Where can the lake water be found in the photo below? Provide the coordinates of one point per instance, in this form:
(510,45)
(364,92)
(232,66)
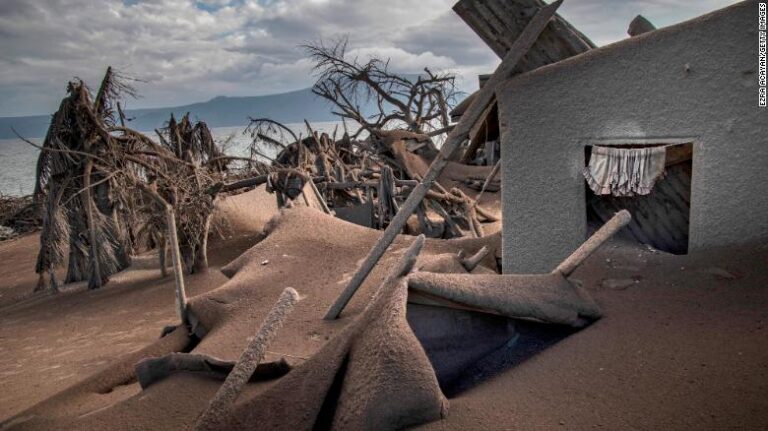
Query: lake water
(18,158)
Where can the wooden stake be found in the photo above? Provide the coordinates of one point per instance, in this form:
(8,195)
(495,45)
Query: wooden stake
(403,267)
(319,197)
(212,418)
(455,138)
(609,229)
(178,269)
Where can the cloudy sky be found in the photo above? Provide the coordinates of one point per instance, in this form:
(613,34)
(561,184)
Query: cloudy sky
(192,50)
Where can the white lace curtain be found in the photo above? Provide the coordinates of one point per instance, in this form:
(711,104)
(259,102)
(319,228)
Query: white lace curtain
(621,171)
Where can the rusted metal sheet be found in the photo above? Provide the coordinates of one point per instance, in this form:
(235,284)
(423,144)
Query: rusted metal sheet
(500,22)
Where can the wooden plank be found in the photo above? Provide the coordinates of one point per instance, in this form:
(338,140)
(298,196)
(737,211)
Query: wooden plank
(501,28)
(473,20)
(513,18)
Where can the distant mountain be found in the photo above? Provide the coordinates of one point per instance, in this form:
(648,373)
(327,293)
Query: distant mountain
(291,107)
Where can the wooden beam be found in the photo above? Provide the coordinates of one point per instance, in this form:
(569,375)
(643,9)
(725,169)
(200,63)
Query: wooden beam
(618,221)
(402,268)
(248,182)
(500,22)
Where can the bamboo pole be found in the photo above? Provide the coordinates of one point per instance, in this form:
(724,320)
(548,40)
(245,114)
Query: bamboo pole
(594,242)
(221,403)
(455,138)
(368,184)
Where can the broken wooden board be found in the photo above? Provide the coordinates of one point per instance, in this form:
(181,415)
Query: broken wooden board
(500,22)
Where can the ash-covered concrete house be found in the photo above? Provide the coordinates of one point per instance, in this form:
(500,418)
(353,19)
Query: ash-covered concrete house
(687,92)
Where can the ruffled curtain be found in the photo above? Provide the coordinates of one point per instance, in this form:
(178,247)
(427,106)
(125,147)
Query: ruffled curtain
(624,171)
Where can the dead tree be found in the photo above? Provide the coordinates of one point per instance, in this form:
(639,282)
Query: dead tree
(421,104)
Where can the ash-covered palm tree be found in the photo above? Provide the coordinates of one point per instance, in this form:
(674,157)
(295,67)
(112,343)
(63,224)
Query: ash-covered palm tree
(193,185)
(104,188)
(75,186)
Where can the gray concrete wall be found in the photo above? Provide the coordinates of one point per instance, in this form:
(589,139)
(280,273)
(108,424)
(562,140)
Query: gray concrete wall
(695,82)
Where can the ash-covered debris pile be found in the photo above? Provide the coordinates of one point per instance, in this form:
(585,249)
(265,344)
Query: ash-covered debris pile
(18,215)
(364,170)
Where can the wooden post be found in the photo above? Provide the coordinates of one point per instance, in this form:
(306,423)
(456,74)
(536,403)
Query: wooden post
(225,397)
(455,138)
(178,269)
(609,229)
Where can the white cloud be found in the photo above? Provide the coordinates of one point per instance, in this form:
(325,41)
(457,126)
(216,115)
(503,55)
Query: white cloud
(404,61)
(606,21)
(193,50)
